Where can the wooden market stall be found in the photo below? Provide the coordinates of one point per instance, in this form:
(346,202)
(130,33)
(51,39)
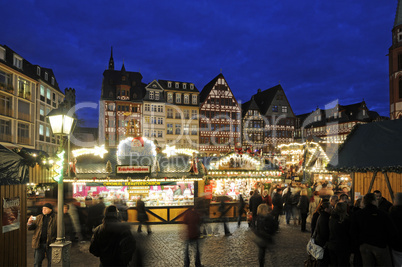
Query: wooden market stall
(372,154)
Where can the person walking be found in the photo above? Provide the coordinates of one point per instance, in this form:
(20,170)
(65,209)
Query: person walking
(303,208)
(339,236)
(322,231)
(314,202)
(112,241)
(68,224)
(373,231)
(277,202)
(45,232)
(382,203)
(396,217)
(255,201)
(265,229)
(192,220)
(241,210)
(142,216)
(222,211)
(288,200)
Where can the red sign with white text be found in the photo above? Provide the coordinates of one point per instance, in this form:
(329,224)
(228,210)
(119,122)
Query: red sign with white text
(133,169)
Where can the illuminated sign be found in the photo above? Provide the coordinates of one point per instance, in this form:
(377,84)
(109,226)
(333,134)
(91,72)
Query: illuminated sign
(97,151)
(133,169)
(58,167)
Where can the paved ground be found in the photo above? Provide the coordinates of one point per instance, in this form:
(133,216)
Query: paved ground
(166,248)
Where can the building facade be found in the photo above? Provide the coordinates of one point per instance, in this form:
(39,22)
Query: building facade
(220,118)
(27,94)
(252,126)
(181,113)
(120,111)
(395,66)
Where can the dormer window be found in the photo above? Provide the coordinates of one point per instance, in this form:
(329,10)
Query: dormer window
(184,86)
(169,84)
(156,95)
(364,112)
(38,71)
(52,80)
(46,76)
(2,53)
(151,94)
(191,86)
(17,61)
(177,85)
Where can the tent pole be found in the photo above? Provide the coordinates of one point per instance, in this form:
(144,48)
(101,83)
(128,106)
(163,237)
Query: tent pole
(372,182)
(389,186)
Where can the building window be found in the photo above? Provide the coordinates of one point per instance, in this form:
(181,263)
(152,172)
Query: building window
(2,53)
(160,134)
(169,128)
(186,99)
(284,109)
(23,130)
(160,108)
(186,113)
(186,130)
(5,80)
(178,98)
(153,108)
(178,129)
(178,114)
(23,87)
(275,109)
(194,99)
(194,114)
(151,94)
(38,70)
(147,107)
(170,98)
(41,131)
(46,76)
(17,62)
(47,131)
(156,95)
(184,86)
(5,128)
(191,86)
(177,85)
(160,121)
(170,113)
(52,80)
(146,133)
(193,129)
(169,84)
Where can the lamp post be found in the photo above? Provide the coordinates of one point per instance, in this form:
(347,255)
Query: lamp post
(61,122)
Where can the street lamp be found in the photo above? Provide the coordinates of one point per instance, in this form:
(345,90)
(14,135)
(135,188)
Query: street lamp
(61,121)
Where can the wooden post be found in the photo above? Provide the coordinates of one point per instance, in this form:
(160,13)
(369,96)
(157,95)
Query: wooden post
(352,190)
(389,186)
(372,182)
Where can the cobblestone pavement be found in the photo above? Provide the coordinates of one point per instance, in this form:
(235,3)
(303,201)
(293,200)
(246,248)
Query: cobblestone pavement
(165,247)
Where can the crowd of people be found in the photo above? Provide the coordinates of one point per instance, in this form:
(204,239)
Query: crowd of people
(367,233)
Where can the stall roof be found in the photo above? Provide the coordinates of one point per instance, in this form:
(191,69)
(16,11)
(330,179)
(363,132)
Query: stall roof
(371,147)
(13,169)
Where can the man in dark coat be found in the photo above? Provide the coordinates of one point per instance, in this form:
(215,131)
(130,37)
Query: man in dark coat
(45,226)
(192,220)
(321,231)
(396,217)
(382,203)
(113,241)
(277,201)
(255,201)
(142,216)
(373,231)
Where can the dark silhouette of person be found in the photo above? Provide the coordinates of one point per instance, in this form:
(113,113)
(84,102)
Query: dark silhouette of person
(255,201)
(382,203)
(142,216)
(222,210)
(277,202)
(192,220)
(241,210)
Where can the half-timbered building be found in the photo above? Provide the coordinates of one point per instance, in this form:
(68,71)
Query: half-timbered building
(220,118)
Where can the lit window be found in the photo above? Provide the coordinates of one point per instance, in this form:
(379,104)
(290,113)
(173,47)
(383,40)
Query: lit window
(169,128)
(194,99)
(177,85)
(178,98)
(170,113)
(170,84)
(275,109)
(191,86)
(38,70)
(170,98)
(17,62)
(151,94)
(184,86)
(41,130)
(2,53)
(160,134)
(147,107)
(284,109)
(186,99)
(194,114)
(47,132)
(48,95)
(156,95)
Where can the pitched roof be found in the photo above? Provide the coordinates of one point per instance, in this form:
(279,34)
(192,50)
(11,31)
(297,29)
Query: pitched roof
(208,87)
(164,84)
(249,105)
(375,146)
(111,78)
(264,98)
(398,16)
(13,170)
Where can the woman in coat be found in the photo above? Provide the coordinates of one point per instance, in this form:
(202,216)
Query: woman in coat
(303,208)
(321,232)
(266,228)
(339,236)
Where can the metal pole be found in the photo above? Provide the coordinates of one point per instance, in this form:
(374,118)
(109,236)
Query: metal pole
(68,156)
(60,232)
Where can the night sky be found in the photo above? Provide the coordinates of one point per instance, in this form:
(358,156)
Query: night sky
(319,51)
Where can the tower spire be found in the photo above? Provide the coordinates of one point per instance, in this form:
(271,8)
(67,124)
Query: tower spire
(398,16)
(111,61)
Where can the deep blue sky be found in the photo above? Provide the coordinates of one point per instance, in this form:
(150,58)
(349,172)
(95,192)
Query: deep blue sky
(319,50)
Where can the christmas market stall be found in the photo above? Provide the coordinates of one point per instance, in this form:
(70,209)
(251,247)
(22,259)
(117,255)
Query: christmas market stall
(372,156)
(167,181)
(235,174)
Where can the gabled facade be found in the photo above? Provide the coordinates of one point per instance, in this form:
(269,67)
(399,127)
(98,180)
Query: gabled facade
(181,112)
(220,118)
(395,66)
(153,119)
(278,117)
(252,126)
(27,94)
(120,111)
(332,125)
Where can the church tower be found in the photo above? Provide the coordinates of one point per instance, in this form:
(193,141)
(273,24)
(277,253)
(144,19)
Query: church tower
(395,66)
(111,62)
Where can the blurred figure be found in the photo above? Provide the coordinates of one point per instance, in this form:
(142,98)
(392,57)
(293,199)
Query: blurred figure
(321,232)
(277,202)
(316,214)
(373,231)
(254,202)
(339,236)
(266,198)
(192,220)
(222,210)
(314,202)
(333,200)
(303,209)
(382,203)
(142,216)
(45,226)
(241,210)
(396,217)
(68,224)
(112,241)
(265,229)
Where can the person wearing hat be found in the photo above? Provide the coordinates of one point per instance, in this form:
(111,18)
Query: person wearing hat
(112,241)
(45,226)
